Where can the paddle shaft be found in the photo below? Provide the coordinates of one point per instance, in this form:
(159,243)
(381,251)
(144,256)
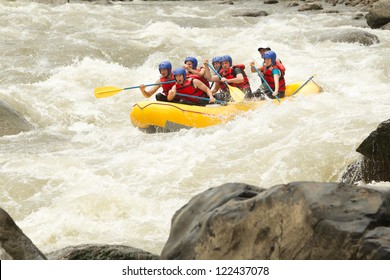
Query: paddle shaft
(148,85)
(298,89)
(198,97)
(216,72)
(236,94)
(213,82)
(110,91)
(263,79)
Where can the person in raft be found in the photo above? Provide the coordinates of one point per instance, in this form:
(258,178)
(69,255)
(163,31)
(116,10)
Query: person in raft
(263,87)
(191,64)
(190,87)
(234,75)
(165,69)
(216,62)
(274,76)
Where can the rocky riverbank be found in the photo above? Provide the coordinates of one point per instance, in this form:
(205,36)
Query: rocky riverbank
(299,220)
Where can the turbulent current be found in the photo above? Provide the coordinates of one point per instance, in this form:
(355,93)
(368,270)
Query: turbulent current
(84,174)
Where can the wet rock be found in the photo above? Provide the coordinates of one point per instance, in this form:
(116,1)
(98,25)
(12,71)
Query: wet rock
(301,220)
(358,16)
(350,36)
(11,121)
(293,4)
(379,15)
(386,27)
(310,7)
(376,245)
(226,3)
(101,252)
(375,163)
(352,2)
(14,243)
(252,14)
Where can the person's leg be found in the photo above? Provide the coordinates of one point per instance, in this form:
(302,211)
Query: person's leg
(248,93)
(222,96)
(161,97)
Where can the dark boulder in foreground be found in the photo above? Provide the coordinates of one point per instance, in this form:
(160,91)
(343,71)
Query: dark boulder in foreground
(15,245)
(101,252)
(301,220)
(374,165)
(11,121)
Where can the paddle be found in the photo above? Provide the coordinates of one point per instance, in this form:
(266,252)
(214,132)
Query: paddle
(213,82)
(203,98)
(235,92)
(263,79)
(102,92)
(298,89)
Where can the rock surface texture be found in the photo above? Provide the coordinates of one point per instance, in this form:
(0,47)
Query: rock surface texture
(374,165)
(301,220)
(15,245)
(11,122)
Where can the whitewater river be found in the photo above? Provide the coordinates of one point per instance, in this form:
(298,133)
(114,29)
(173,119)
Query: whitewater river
(84,174)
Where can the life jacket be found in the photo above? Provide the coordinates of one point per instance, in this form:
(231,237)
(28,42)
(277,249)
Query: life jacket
(167,87)
(244,86)
(201,78)
(188,88)
(270,79)
(281,67)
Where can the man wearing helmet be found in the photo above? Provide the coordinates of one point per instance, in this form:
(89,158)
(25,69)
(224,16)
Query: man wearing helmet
(190,87)
(165,69)
(191,64)
(216,62)
(234,75)
(262,50)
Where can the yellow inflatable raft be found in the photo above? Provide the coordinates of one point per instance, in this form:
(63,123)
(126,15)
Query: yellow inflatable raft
(156,116)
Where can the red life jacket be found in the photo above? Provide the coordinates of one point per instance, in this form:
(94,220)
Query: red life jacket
(229,75)
(188,88)
(201,78)
(281,67)
(270,79)
(167,87)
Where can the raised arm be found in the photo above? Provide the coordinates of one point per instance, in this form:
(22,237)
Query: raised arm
(207,73)
(200,85)
(151,91)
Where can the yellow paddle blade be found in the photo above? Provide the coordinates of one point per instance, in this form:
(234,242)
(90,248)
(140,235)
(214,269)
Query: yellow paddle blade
(102,92)
(236,94)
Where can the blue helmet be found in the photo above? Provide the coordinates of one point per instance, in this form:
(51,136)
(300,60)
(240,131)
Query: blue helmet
(216,59)
(193,60)
(180,71)
(227,58)
(165,65)
(271,55)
